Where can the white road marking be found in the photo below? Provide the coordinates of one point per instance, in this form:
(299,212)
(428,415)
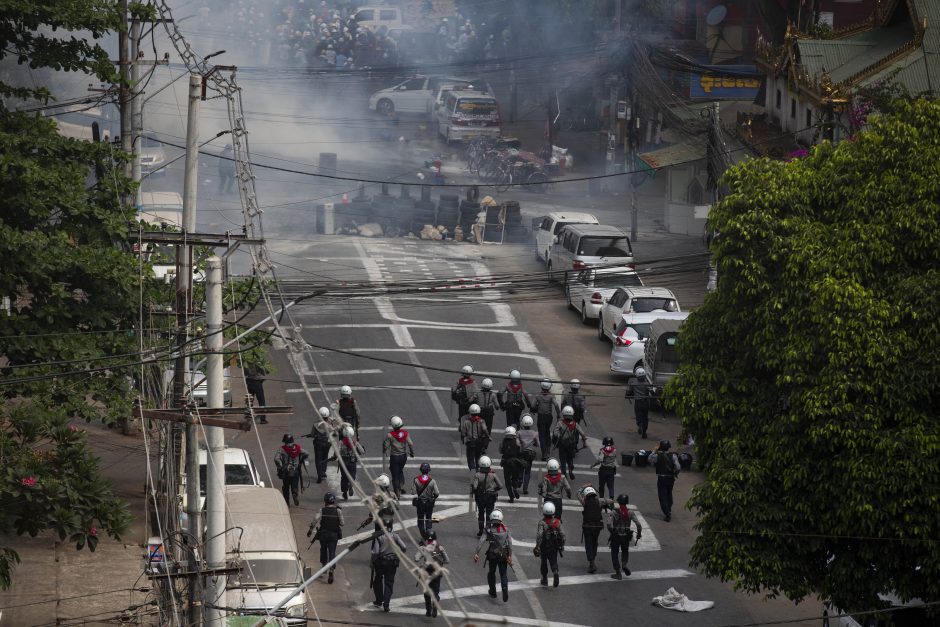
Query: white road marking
(523,338)
(402,336)
(499,619)
(339,373)
(406,524)
(572,580)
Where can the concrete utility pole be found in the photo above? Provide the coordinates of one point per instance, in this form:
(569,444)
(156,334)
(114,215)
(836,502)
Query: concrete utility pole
(184,285)
(215,441)
(137,106)
(124,98)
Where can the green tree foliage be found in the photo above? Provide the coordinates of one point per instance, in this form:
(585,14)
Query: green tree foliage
(811,377)
(37,34)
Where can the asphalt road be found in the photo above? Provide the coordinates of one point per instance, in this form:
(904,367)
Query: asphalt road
(399,343)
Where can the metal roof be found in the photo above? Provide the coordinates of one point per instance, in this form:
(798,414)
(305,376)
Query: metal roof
(842,58)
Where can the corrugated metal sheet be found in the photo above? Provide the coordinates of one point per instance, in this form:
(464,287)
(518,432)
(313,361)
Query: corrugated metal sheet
(844,57)
(684,152)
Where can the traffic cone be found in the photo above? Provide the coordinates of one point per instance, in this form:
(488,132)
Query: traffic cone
(345,199)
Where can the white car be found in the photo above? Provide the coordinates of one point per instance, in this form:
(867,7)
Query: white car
(197,385)
(633,300)
(152,157)
(239,470)
(630,339)
(547,233)
(586,292)
(415,95)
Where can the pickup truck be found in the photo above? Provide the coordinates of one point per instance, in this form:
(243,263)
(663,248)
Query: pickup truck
(547,231)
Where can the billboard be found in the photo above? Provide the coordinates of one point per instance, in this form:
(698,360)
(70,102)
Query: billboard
(725,82)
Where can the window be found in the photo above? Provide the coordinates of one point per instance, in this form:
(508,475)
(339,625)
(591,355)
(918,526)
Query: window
(597,246)
(546,224)
(365,15)
(618,299)
(387,15)
(415,83)
(793,108)
(640,331)
(559,225)
(809,117)
(779,98)
(616,280)
(647,304)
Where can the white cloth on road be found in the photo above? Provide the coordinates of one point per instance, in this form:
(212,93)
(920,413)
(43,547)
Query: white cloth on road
(674,600)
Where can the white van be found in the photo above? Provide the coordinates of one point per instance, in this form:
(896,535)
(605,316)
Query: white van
(260,541)
(582,246)
(552,224)
(467,114)
(374,18)
(161,208)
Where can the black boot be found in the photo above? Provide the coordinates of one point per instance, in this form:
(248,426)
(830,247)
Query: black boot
(555,580)
(626,571)
(592,567)
(505,594)
(616,575)
(544,580)
(493,591)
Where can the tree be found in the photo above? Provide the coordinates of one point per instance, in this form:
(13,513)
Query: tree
(810,377)
(71,286)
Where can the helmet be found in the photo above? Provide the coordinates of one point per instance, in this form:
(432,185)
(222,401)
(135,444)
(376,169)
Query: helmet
(510,430)
(623,499)
(527,421)
(329,498)
(287,439)
(348,431)
(607,441)
(553,465)
(383,481)
(514,375)
(567,410)
(640,371)
(496,515)
(345,391)
(575,384)
(396,422)
(324,412)
(474,409)
(425,468)
(484,461)
(546,384)
(431,537)
(487,384)
(467,370)
(664,445)
(589,491)
(548,508)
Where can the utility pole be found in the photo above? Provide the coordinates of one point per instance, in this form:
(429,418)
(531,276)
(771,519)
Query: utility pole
(124,99)
(215,442)
(137,106)
(184,283)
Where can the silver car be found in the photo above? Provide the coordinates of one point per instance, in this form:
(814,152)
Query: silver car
(630,339)
(587,291)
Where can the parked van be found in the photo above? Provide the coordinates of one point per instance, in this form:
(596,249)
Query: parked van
(547,233)
(161,208)
(260,542)
(582,246)
(661,353)
(467,114)
(374,18)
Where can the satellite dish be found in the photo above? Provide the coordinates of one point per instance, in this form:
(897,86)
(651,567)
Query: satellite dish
(716,15)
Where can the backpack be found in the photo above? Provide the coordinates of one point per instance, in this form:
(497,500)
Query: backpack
(458,394)
(568,436)
(497,550)
(290,468)
(511,448)
(553,538)
(622,528)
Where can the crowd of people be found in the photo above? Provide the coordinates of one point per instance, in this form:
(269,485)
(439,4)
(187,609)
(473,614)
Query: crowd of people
(537,426)
(325,34)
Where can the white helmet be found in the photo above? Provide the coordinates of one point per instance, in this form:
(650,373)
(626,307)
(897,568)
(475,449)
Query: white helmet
(484,461)
(575,384)
(515,374)
(345,391)
(474,409)
(487,384)
(348,431)
(640,371)
(553,465)
(589,491)
(510,430)
(396,422)
(546,384)
(548,508)
(467,370)
(567,410)
(527,421)
(324,412)
(496,515)
(383,481)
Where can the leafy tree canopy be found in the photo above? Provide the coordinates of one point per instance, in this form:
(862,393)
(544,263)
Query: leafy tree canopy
(810,377)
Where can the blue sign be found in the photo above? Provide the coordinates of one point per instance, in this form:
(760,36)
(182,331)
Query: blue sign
(725,82)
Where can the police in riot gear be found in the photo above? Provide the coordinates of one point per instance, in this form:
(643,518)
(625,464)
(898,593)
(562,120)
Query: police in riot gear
(484,489)
(621,534)
(426,493)
(638,391)
(488,401)
(498,552)
(385,563)
(513,399)
(592,521)
(554,486)
(565,438)
(396,449)
(431,556)
(321,442)
(512,462)
(546,410)
(329,529)
(289,460)
(348,408)
(383,501)
(549,543)
(464,391)
(667,468)
(529,442)
(607,460)
(474,435)
(576,400)
(349,450)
